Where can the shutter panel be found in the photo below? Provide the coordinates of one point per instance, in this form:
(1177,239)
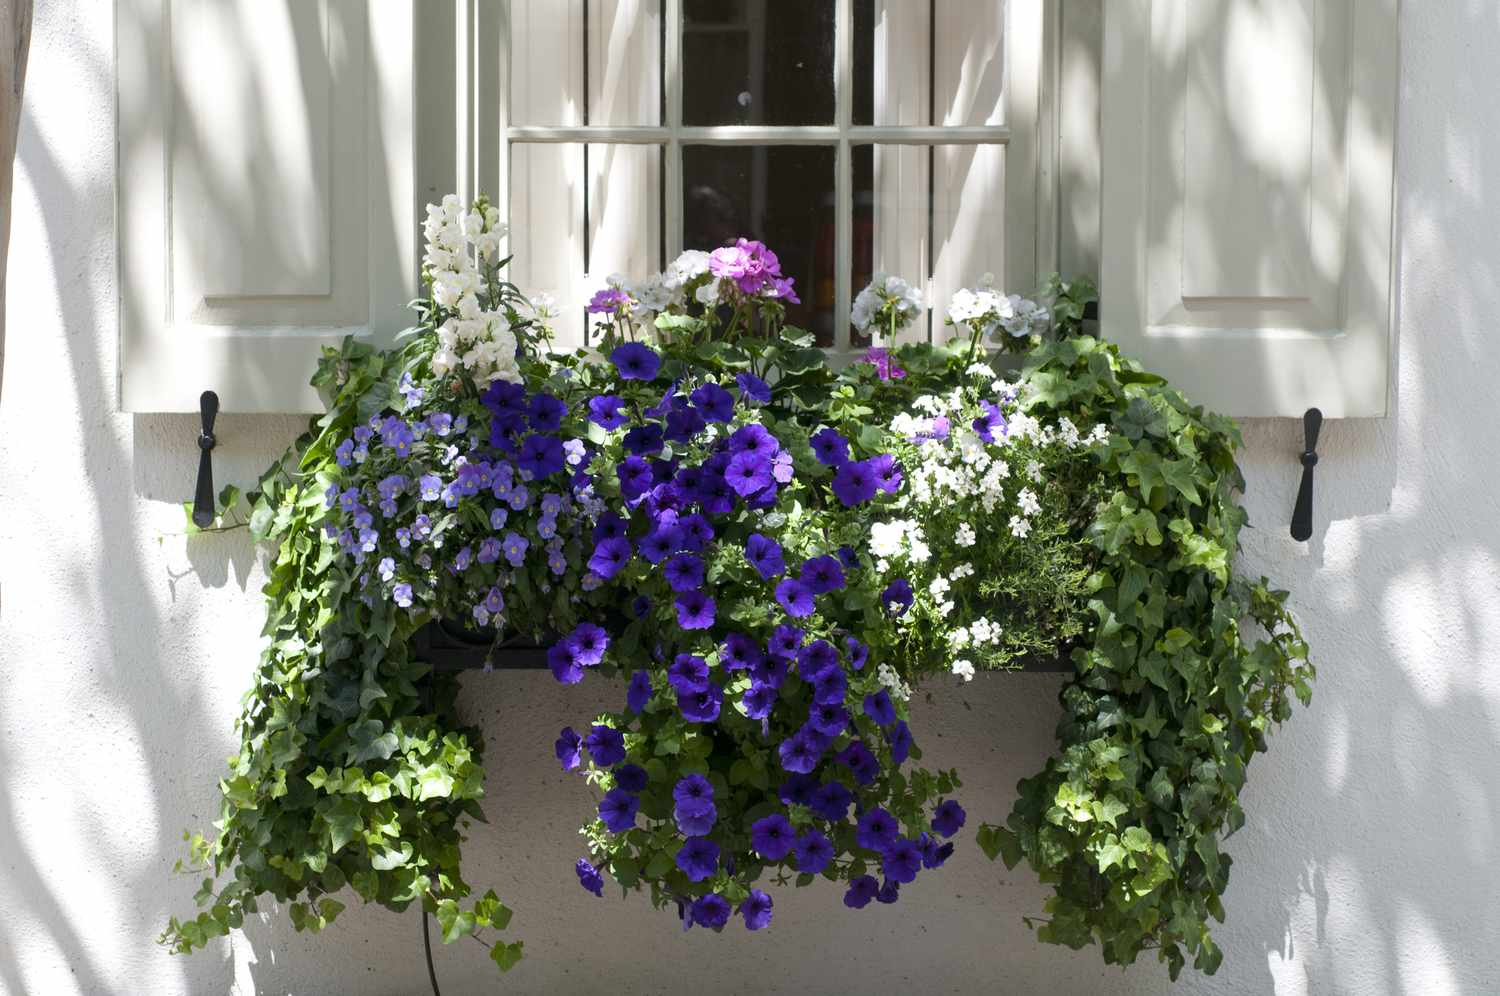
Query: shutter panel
(1247,199)
(267,202)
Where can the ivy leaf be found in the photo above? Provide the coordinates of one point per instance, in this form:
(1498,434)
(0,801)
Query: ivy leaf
(370,744)
(507,956)
(1180,475)
(344,821)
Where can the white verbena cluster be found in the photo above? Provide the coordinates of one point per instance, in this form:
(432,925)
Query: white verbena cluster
(887,305)
(462,246)
(988,311)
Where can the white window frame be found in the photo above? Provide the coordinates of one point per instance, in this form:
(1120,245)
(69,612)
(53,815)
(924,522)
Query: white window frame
(1028,135)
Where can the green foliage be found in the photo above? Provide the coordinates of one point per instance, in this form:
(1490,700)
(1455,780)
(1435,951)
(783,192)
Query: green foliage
(353,771)
(1186,669)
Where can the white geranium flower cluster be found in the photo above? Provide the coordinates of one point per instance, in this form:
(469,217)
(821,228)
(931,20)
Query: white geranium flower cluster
(892,681)
(987,311)
(887,305)
(463,250)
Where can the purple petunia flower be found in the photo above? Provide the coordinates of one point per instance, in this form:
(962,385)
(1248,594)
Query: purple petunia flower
(609,556)
(692,787)
(589,877)
(661,543)
(813,852)
(698,859)
(606,745)
(696,532)
(831,801)
(688,673)
(739,652)
(541,456)
(897,597)
(785,641)
(749,473)
(546,412)
(635,361)
(772,837)
(800,753)
(695,610)
(831,449)
(587,643)
(604,411)
(764,554)
(990,422)
(631,777)
(858,653)
(753,387)
(635,477)
(854,483)
(829,686)
(795,598)
(771,671)
(569,749)
(900,738)
(861,891)
(759,700)
(948,818)
(901,861)
(823,574)
(695,817)
(753,438)
(889,892)
(564,668)
(815,658)
(887,473)
(617,809)
(876,829)
(638,694)
(797,790)
(715,403)
(756,909)
(934,854)
(683,572)
(643,440)
(880,708)
(829,719)
(711,911)
(858,759)
(701,707)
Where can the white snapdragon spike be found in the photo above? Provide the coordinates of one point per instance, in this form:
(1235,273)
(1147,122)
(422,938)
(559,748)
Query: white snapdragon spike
(480,341)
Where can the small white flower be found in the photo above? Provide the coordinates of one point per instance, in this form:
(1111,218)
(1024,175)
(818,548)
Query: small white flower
(964,669)
(964,535)
(1027,502)
(1034,471)
(1019,527)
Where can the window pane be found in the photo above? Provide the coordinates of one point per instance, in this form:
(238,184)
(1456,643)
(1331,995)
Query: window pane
(579,214)
(936,219)
(782,195)
(623,64)
(921,62)
(757,62)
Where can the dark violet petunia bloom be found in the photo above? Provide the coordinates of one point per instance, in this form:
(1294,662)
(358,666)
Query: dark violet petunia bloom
(683,572)
(610,526)
(800,753)
(639,691)
(795,598)
(661,543)
(901,861)
(756,909)
(934,854)
(635,361)
(696,532)
(759,701)
(854,483)
(831,449)
(683,425)
(546,412)
(569,749)
(711,911)
(828,719)
(739,652)
(764,554)
(948,819)
(848,557)
(753,438)
(991,422)
(880,708)
(587,643)
(785,641)
(753,387)
(887,473)
(897,597)
(609,556)
(542,455)
(889,892)
(701,707)
(771,672)
(695,817)
(823,574)
(604,411)
(861,891)
(829,686)
(606,745)
(831,801)
(695,610)
(635,477)
(631,778)
(772,837)
(749,473)
(900,738)
(698,859)
(564,667)
(692,787)
(643,440)
(876,829)
(858,759)
(815,658)
(798,790)
(715,403)
(617,809)
(858,653)
(813,852)
(640,606)
(688,673)
(589,877)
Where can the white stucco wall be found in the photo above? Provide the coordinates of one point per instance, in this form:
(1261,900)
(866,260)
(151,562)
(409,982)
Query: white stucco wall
(1368,864)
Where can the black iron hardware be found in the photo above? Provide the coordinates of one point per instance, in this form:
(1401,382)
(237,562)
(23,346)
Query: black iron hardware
(1302,527)
(203,497)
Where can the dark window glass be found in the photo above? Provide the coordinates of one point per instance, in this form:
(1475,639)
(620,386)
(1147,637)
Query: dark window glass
(757,62)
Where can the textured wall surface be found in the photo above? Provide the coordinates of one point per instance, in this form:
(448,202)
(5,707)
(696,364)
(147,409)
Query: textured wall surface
(1368,865)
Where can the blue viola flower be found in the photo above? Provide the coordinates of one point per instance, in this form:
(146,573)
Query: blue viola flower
(861,891)
(698,859)
(711,911)
(688,673)
(604,411)
(638,694)
(772,837)
(631,778)
(813,852)
(753,387)
(854,483)
(880,708)
(764,554)
(589,877)
(823,574)
(756,909)
(401,594)
(830,448)
(876,829)
(901,860)
(569,749)
(715,403)
(635,361)
(695,610)
(949,817)
(606,745)
(617,809)
(795,598)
